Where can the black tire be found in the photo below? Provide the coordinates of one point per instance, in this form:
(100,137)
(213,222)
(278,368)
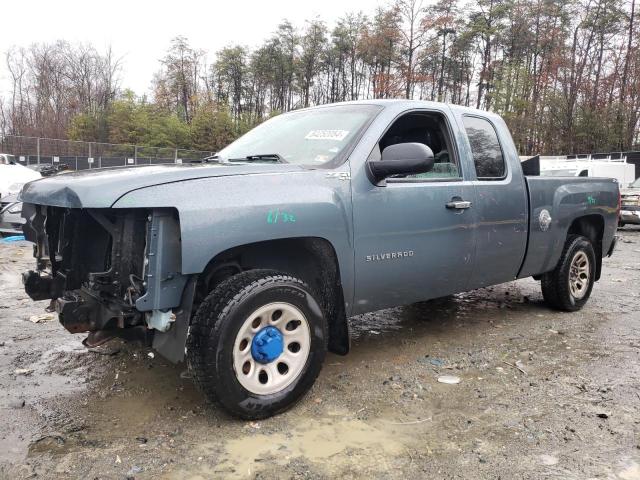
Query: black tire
(555,284)
(217,323)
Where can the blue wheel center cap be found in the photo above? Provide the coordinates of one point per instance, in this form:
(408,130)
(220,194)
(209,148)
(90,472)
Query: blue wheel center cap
(267,345)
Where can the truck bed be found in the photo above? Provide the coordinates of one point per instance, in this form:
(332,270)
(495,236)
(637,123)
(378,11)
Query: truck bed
(566,200)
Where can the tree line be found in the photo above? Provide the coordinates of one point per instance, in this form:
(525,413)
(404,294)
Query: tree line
(565,75)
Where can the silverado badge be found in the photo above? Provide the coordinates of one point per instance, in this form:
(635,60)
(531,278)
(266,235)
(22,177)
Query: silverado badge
(377,257)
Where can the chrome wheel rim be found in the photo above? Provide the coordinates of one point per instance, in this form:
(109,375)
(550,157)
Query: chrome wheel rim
(271,348)
(579,274)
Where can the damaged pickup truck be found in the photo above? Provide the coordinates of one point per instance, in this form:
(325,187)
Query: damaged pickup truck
(250,263)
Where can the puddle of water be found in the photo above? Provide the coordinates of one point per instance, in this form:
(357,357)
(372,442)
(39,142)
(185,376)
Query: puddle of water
(630,472)
(54,444)
(332,444)
(548,460)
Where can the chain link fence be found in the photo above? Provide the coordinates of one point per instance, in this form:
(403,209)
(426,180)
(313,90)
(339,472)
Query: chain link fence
(85,155)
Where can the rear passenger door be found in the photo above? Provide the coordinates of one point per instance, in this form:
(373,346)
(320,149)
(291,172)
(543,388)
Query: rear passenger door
(501,202)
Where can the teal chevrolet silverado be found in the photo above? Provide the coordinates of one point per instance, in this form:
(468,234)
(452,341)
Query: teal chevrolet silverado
(251,263)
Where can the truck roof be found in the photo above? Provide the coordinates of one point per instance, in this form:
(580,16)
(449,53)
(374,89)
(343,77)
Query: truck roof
(402,103)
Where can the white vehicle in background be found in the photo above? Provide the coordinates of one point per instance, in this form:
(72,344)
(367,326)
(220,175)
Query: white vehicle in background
(13,176)
(630,204)
(6,159)
(588,166)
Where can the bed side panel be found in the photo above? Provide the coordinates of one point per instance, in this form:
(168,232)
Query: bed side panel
(564,199)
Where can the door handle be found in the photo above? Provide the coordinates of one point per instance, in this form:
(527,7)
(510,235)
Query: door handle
(458,204)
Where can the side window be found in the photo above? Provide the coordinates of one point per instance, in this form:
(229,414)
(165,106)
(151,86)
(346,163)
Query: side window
(431,130)
(485,147)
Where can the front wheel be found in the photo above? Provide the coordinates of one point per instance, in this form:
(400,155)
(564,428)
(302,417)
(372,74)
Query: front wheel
(569,285)
(257,343)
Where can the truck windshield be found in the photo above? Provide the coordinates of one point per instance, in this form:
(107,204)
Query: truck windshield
(314,137)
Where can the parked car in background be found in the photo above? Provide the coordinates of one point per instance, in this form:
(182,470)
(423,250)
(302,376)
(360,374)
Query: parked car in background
(11,220)
(7,159)
(13,176)
(630,204)
(48,169)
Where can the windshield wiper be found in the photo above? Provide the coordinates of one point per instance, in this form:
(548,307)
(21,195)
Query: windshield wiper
(210,159)
(263,157)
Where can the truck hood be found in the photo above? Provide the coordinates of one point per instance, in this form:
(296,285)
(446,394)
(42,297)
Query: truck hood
(101,188)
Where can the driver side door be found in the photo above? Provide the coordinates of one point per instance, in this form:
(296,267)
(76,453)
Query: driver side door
(411,244)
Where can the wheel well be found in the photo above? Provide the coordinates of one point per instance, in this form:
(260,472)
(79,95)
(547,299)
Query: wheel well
(310,259)
(592,227)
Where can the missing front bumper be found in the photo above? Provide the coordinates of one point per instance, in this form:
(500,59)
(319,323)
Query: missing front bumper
(112,273)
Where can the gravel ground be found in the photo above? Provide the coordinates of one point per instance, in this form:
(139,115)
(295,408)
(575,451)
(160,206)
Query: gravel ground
(542,395)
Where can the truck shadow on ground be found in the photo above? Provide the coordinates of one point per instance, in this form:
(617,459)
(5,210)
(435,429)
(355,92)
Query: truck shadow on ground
(477,312)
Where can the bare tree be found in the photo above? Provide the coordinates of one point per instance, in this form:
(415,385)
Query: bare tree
(414,36)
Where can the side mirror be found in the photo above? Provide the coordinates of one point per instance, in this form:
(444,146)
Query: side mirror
(402,159)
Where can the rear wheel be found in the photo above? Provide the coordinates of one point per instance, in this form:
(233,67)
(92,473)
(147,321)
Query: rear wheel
(257,343)
(569,285)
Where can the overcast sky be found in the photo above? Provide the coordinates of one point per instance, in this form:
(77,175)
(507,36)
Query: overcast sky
(140,30)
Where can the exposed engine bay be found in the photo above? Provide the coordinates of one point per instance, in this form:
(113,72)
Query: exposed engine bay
(109,272)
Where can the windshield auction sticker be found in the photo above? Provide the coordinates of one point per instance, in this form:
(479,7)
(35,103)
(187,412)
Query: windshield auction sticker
(337,135)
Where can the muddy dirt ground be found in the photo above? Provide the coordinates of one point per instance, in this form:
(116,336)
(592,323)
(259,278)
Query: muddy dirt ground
(571,409)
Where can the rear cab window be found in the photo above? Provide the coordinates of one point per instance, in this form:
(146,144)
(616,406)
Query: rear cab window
(488,157)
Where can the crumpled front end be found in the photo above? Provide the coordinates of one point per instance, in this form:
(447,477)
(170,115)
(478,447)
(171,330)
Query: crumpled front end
(109,272)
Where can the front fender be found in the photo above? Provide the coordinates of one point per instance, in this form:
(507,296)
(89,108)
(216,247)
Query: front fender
(217,214)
